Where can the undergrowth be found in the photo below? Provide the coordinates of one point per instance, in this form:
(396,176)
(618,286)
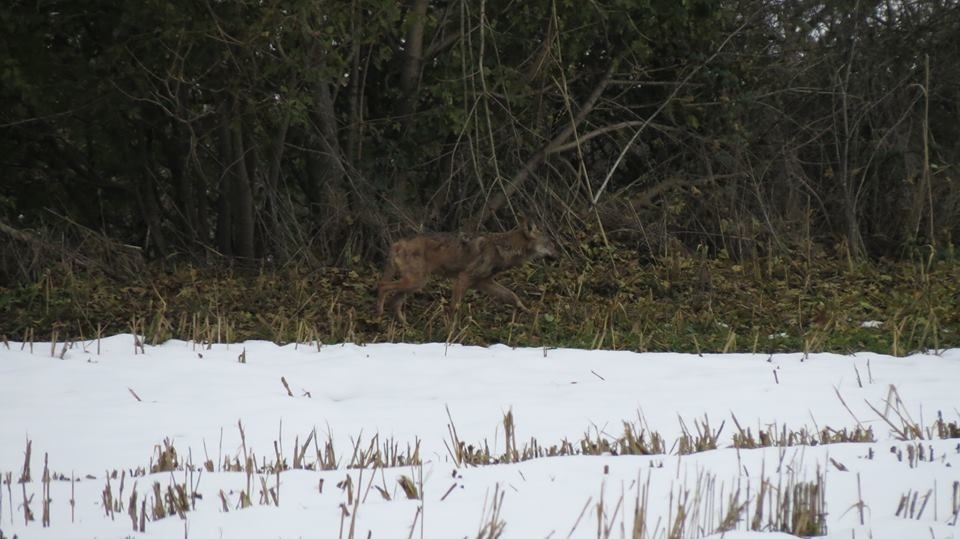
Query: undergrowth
(675,303)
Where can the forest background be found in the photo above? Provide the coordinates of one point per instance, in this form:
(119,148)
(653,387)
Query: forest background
(720,175)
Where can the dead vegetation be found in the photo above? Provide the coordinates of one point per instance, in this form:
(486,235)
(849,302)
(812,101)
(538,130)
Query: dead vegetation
(677,302)
(784,501)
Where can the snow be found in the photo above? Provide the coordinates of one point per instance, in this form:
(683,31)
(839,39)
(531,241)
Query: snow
(101,406)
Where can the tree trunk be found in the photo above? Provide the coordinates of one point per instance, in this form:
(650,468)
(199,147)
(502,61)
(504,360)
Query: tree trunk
(176,153)
(326,168)
(242,194)
(273,242)
(410,78)
(150,210)
(224,206)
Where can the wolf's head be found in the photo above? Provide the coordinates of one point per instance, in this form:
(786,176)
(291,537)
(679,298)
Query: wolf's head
(539,243)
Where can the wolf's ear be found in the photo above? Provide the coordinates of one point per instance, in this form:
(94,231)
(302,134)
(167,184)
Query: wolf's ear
(524,224)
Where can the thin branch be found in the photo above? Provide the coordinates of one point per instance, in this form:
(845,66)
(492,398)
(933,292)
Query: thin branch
(498,200)
(663,105)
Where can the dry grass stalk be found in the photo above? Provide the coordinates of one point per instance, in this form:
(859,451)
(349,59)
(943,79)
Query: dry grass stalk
(576,523)
(248,466)
(781,436)
(606,524)
(143,515)
(639,528)
(8,480)
(207,463)
(299,451)
(680,520)
(132,508)
(361,458)
(177,499)
(599,509)
(347,486)
(73,497)
(510,439)
(166,458)
(385,454)
(268,495)
(638,439)
(137,330)
(386,495)
(327,460)
(45,502)
(955,503)
(27,339)
(743,438)
(860,505)
(193,486)
(804,512)
(456,451)
(118,501)
(857,435)
(409,488)
(27,512)
(280,464)
(733,514)
(908,504)
(370,484)
(416,517)
(158,510)
(25,471)
(756,522)
(908,429)
(493,525)
(344,513)
(705,440)
(795,507)
(244,500)
(945,430)
(447,493)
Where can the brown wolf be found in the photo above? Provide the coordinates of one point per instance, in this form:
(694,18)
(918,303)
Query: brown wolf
(474,262)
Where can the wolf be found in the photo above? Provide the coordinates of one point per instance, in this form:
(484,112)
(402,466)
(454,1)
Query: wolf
(472,261)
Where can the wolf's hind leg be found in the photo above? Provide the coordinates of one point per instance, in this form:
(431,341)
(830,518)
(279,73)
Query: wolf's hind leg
(396,305)
(399,288)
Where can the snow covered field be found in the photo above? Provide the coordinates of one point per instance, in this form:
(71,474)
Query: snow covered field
(107,413)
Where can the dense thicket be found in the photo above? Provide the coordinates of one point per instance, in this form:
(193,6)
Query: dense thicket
(317,130)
